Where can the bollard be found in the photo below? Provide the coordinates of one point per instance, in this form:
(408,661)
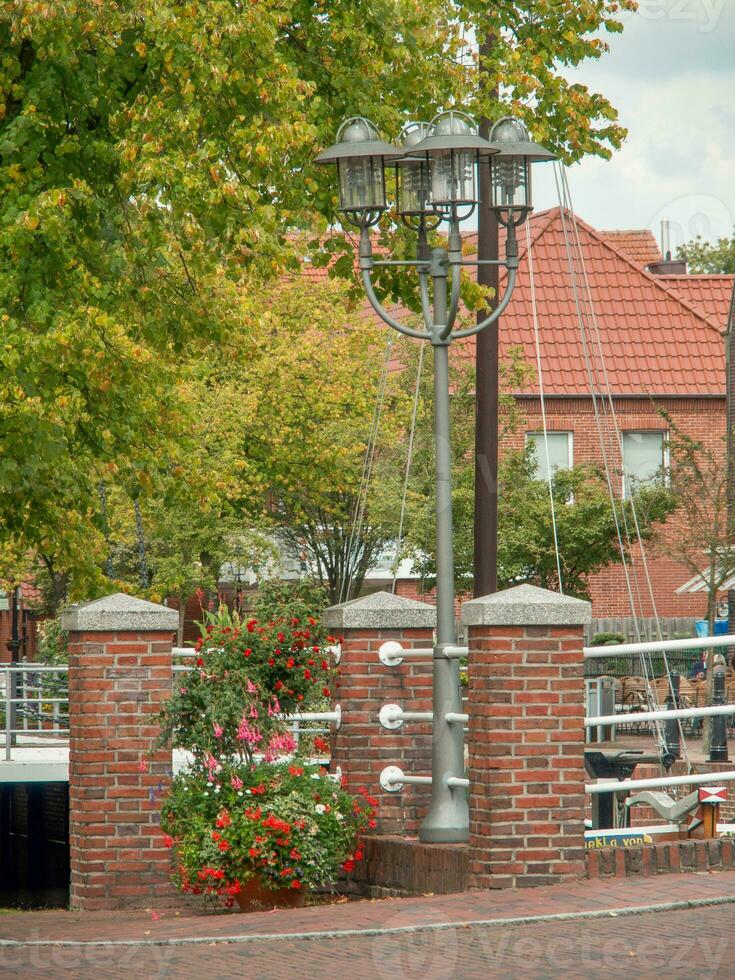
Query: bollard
(672,731)
(718,736)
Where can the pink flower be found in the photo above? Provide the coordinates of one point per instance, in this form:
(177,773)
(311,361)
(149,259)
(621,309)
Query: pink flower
(218,730)
(236,782)
(143,766)
(279,745)
(251,688)
(247,733)
(274,708)
(253,711)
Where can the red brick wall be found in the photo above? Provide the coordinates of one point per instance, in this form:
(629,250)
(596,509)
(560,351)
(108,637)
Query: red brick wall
(117,683)
(702,419)
(647,860)
(526,747)
(361,747)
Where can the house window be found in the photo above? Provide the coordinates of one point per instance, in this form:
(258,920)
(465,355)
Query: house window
(560,451)
(643,459)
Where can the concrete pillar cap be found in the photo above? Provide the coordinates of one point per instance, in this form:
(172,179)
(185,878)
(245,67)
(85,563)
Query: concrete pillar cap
(381,610)
(119,613)
(526,605)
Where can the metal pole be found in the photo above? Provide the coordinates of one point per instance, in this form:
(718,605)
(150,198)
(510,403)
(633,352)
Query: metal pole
(671,728)
(448,818)
(718,735)
(486,383)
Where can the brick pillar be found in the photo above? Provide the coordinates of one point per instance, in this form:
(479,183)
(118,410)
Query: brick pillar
(119,676)
(526,742)
(362,748)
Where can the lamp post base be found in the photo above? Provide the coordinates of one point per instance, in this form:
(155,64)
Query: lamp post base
(446,824)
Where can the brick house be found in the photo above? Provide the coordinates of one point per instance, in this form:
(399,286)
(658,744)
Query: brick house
(661,332)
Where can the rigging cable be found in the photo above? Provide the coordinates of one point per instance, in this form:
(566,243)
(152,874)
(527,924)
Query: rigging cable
(540,374)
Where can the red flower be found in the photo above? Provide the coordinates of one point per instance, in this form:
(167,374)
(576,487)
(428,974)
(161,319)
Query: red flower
(278,685)
(286,872)
(224,819)
(252,623)
(348,865)
(290,662)
(326,692)
(271,662)
(281,637)
(258,790)
(307,675)
(215,835)
(320,744)
(372,824)
(312,620)
(248,652)
(254,852)
(223,845)
(200,662)
(295,884)
(294,855)
(168,841)
(311,663)
(295,621)
(296,770)
(359,854)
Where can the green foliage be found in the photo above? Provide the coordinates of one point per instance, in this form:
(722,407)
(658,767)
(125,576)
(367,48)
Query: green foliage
(290,825)
(51,642)
(709,257)
(603,639)
(304,600)
(246,676)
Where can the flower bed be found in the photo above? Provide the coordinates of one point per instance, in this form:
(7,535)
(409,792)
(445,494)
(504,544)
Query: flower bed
(252,805)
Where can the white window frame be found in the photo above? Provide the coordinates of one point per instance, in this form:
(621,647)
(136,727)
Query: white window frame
(569,433)
(665,454)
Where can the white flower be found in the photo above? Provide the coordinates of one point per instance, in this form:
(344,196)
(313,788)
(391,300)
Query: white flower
(320,808)
(210,783)
(216,789)
(206,793)
(239,792)
(339,816)
(315,775)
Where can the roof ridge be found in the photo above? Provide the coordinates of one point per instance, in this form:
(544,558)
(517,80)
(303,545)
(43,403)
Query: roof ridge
(645,273)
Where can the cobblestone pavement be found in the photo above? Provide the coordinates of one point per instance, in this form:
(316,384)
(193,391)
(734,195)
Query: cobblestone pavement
(423,938)
(693,942)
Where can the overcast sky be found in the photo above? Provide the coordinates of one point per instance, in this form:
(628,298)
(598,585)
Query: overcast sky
(671,75)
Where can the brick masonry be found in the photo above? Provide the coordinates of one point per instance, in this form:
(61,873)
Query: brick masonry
(397,866)
(649,860)
(361,748)
(526,745)
(118,681)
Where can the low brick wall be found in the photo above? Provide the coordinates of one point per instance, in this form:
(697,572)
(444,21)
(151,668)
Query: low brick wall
(395,866)
(648,860)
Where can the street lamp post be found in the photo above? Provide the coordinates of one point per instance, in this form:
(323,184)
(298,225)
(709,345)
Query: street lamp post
(436,181)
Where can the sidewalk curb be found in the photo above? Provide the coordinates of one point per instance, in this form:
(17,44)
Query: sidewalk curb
(693,903)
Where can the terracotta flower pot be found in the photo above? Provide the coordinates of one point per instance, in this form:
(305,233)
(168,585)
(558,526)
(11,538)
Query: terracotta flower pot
(254,896)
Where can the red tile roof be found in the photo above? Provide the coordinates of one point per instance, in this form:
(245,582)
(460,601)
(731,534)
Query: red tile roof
(658,334)
(709,293)
(654,340)
(639,245)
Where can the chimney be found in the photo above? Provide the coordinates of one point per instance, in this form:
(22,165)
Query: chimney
(668,266)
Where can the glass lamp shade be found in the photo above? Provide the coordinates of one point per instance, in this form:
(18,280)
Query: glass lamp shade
(453,178)
(452,169)
(360,154)
(412,176)
(510,183)
(361,184)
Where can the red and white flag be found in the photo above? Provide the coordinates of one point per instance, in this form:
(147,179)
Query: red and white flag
(712,794)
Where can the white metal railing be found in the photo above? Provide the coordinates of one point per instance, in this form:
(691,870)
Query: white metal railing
(35,703)
(698,779)
(658,646)
(636,716)
(391,653)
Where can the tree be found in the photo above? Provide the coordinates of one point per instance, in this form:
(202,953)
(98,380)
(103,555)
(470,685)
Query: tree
(698,536)
(709,257)
(584,513)
(154,159)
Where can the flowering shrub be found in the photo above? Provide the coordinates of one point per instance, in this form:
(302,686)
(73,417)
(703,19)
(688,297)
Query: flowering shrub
(246,676)
(289,823)
(250,806)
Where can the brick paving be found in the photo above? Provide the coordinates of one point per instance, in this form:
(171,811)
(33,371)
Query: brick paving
(694,942)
